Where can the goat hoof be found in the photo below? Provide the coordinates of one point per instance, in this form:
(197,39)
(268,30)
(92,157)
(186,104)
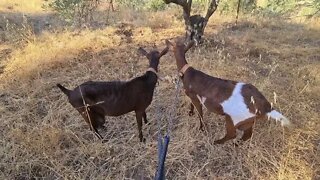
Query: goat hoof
(191,113)
(237,143)
(143,140)
(201,128)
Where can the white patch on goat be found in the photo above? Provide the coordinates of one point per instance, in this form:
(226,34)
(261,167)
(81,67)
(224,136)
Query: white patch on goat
(235,106)
(202,99)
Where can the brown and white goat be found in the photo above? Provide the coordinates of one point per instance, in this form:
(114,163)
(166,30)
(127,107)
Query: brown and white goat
(116,98)
(240,103)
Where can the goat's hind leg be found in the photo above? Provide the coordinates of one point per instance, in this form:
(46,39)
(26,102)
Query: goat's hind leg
(247,129)
(145,118)
(247,134)
(231,131)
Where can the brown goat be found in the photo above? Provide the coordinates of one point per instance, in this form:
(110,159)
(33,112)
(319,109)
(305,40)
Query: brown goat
(116,98)
(240,103)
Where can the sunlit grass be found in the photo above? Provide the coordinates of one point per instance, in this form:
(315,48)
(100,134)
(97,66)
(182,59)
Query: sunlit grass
(23,6)
(50,49)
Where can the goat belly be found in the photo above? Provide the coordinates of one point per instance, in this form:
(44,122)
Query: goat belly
(235,106)
(118,107)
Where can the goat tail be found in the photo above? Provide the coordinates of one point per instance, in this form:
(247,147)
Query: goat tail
(64,90)
(278,117)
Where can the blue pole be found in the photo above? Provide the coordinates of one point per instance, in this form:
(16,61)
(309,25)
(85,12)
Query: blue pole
(162,153)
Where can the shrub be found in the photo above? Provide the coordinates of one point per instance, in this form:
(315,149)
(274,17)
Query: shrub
(74,11)
(134,4)
(18,33)
(154,5)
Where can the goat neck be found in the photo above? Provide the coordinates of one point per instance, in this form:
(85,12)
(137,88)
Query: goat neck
(154,63)
(153,66)
(152,74)
(182,64)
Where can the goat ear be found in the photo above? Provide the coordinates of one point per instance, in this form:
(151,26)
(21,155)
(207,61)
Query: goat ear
(189,45)
(142,51)
(165,51)
(169,44)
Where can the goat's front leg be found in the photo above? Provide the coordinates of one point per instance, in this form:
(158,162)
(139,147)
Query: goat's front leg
(197,104)
(139,116)
(231,131)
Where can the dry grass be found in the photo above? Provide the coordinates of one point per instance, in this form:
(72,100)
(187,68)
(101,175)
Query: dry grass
(33,6)
(41,135)
(36,57)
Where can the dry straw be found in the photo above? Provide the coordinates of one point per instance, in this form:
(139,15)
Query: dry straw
(42,136)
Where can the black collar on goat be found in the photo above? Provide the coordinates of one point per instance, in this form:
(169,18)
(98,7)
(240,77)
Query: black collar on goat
(116,98)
